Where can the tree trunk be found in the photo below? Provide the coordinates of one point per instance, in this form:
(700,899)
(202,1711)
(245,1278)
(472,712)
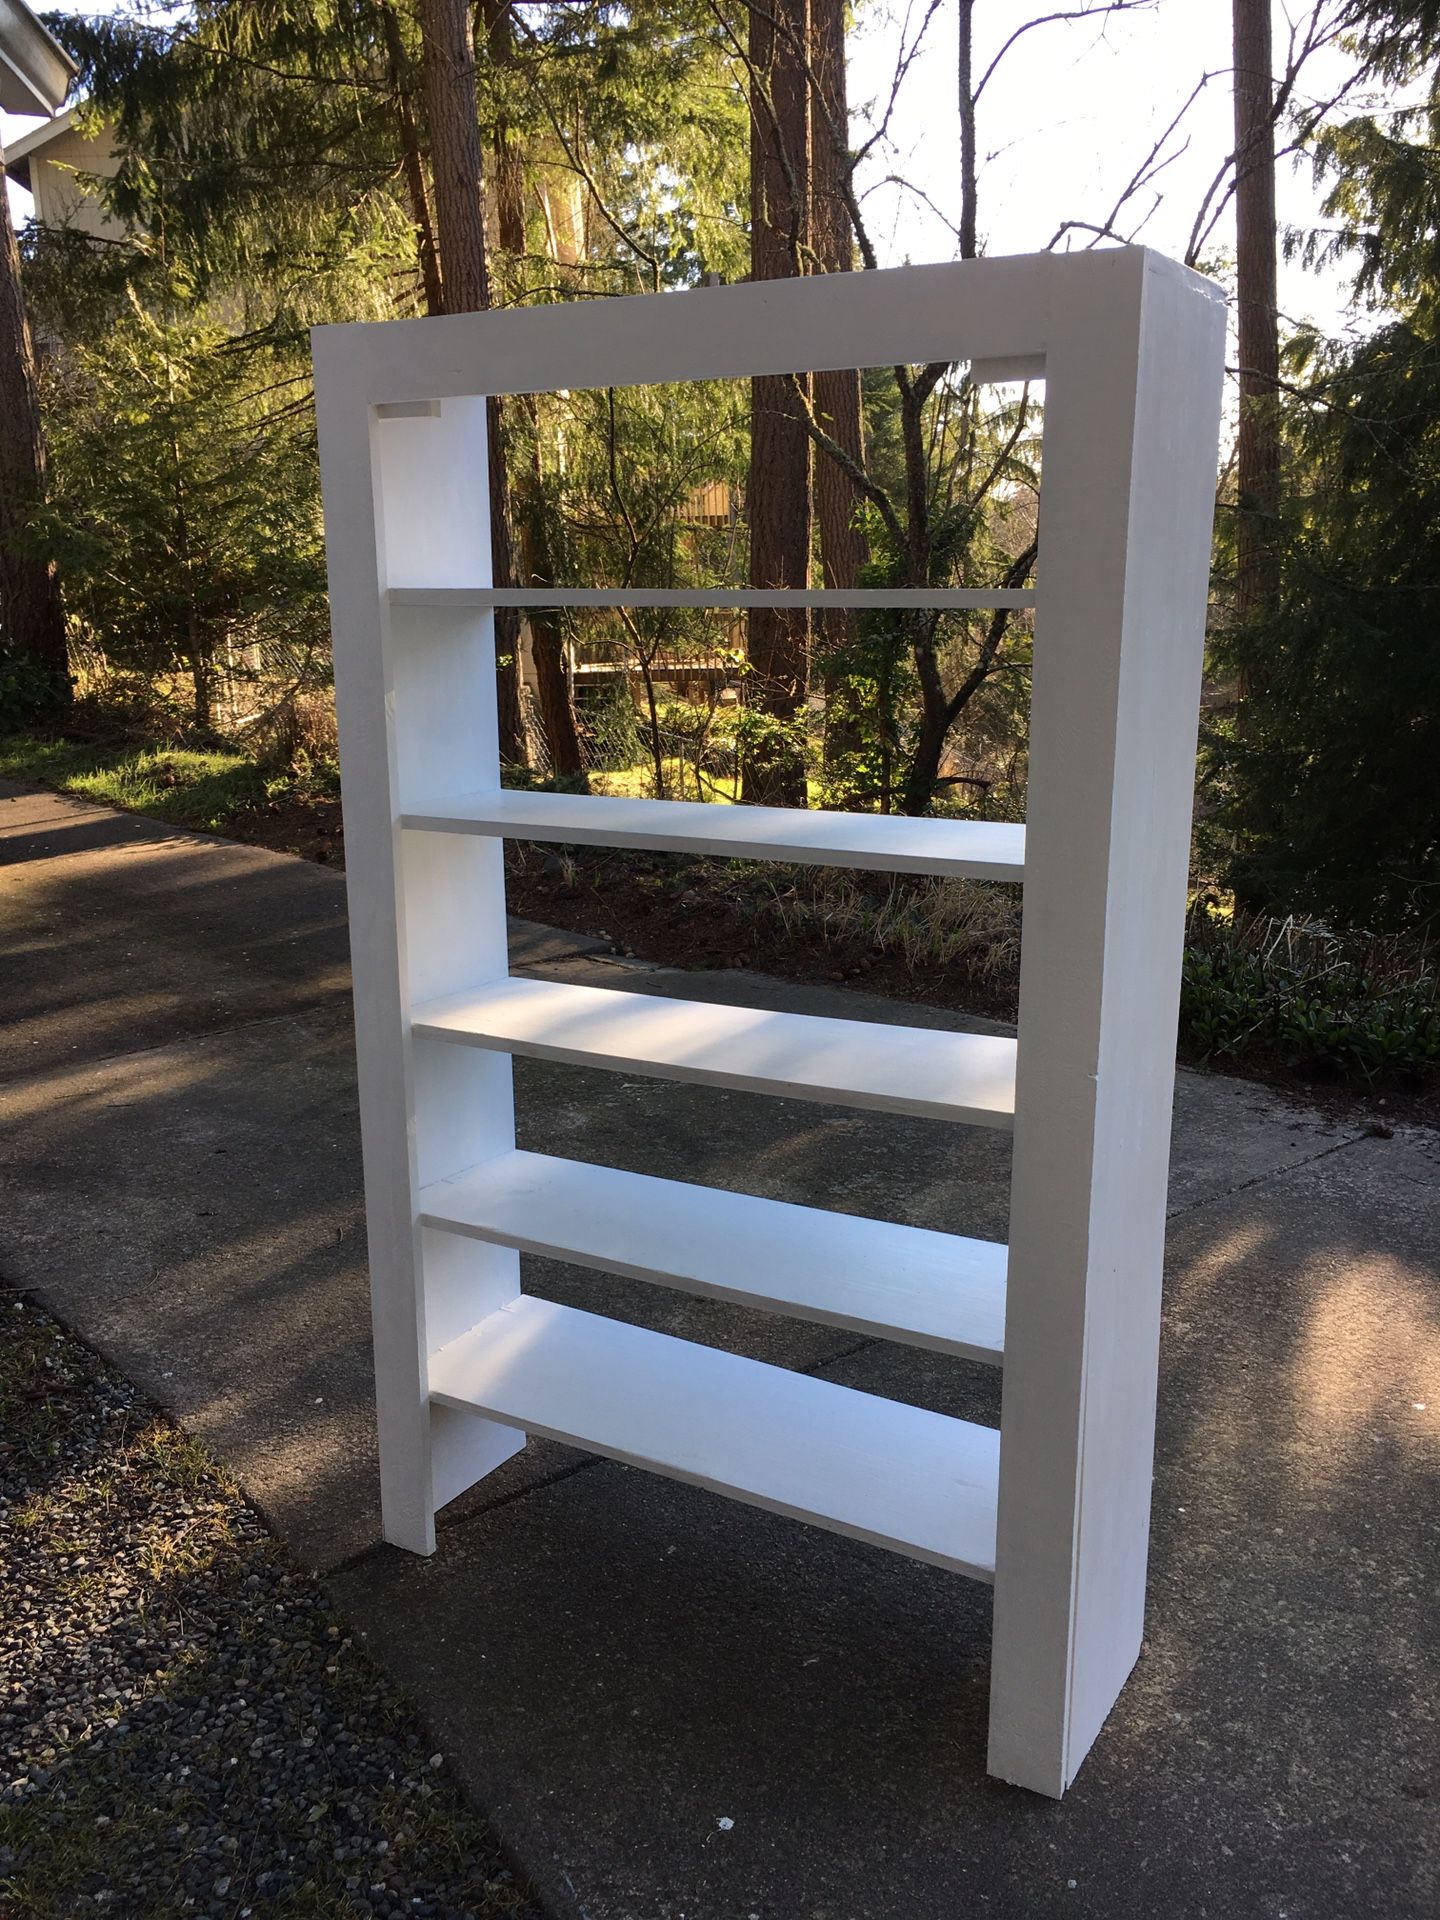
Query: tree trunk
(510,720)
(30,616)
(1257,317)
(938,713)
(509,161)
(547,638)
(455,160)
(457,168)
(412,165)
(969,186)
(843,548)
(778,497)
(509,196)
(202,704)
(924,769)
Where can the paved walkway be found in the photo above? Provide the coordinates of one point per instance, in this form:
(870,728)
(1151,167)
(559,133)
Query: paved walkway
(677,1708)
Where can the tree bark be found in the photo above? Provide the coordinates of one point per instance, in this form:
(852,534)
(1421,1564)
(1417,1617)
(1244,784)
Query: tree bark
(455,157)
(510,721)
(969,185)
(411,162)
(457,167)
(547,638)
(778,496)
(30,614)
(509,162)
(558,716)
(1257,316)
(843,547)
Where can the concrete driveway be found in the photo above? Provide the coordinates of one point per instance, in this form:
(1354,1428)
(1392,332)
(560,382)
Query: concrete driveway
(674,1707)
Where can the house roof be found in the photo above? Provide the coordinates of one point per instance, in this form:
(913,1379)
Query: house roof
(19,153)
(35,70)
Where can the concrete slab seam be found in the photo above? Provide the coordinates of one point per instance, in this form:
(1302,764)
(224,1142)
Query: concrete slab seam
(1260,1179)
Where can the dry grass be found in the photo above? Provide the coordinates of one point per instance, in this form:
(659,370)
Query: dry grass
(921,924)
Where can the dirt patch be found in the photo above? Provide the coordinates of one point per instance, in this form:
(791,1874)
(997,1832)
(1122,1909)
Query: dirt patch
(309,827)
(703,915)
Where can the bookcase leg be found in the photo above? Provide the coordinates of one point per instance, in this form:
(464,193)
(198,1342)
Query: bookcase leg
(406,491)
(1131,422)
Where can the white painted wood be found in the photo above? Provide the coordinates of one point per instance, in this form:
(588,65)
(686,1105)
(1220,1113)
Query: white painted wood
(879,843)
(1130,432)
(417,484)
(917,1482)
(1000,310)
(1007,370)
(436,485)
(445,721)
(940,598)
(967,1077)
(1130,348)
(909,1284)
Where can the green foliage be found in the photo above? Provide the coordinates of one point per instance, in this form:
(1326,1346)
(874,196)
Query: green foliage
(778,746)
(263,184)
(612,728)
(1325,795)
(639,486)
(1329,791)
(27,690)
(258,150)
(641,98)
(911,689)
(1382,169)
(205,790)
(184,499)
(1361,1006)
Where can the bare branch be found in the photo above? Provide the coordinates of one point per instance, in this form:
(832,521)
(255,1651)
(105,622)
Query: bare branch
(1097,12)
(1015,575)
(1152,164)
(849,466)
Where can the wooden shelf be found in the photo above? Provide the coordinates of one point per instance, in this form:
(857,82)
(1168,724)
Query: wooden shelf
(918,1483)
(965,1077)
(927,1289)
(881,843)
(735,599)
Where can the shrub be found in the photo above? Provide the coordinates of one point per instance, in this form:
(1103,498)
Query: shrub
(1322,1002)
(27,689)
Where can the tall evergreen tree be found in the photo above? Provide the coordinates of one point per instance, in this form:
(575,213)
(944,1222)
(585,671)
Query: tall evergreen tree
(32,628)
(839,501)
(1257,317)
(778,494)
(1331,792)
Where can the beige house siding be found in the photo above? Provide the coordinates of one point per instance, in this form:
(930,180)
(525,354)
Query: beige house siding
(51,163)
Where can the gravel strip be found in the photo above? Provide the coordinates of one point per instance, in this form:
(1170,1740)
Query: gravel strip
(185,1725)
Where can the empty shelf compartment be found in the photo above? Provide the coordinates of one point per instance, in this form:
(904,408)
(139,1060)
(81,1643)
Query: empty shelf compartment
(881,843)
(919,1483)
(967,1077)
(927,1289)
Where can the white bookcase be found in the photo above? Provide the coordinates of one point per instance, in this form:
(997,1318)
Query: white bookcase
(1054,1507)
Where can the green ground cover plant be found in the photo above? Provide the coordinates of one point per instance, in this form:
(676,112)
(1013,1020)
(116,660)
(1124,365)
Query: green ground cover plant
(1354,1006)
(212,790)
